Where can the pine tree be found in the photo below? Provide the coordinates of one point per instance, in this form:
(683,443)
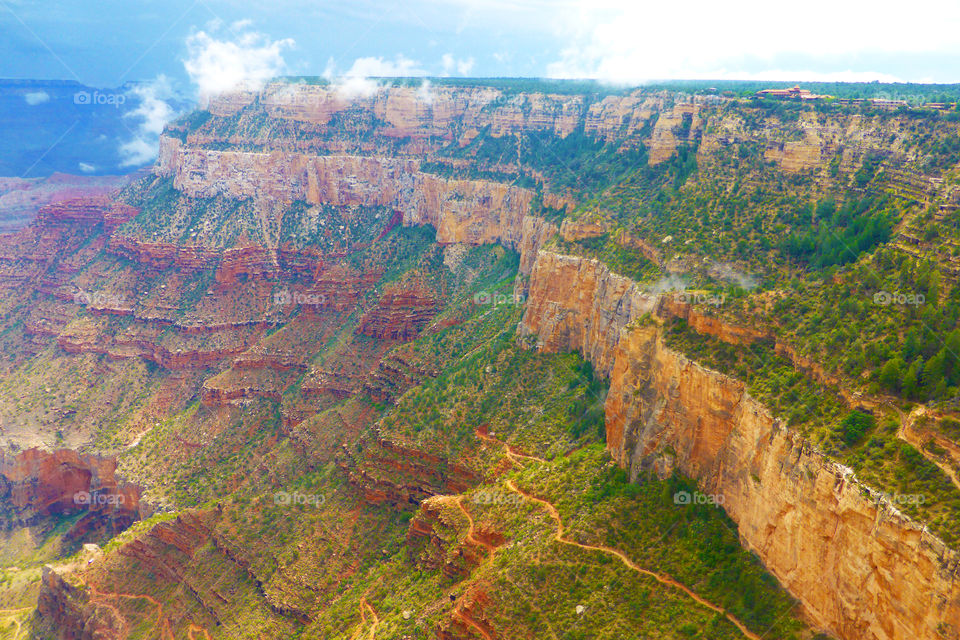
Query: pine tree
(911,380)
(933,373)
(891,374)
(953,357)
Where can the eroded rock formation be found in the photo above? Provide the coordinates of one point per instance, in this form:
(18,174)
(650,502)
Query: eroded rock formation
(36,485)
(860,568)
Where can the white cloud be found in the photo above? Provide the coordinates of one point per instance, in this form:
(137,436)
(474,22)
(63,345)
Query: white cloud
(36,97)
(86,167)
(153,112)
(628,41)
(424,93)
(451,64)
(358,80)
(244,62)
(817,76)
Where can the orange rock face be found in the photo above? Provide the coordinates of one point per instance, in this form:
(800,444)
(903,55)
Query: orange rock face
(675,126)
(37,484)
(577,304)
(861,569)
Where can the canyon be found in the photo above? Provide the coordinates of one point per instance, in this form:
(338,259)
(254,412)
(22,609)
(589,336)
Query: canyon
(266,304)
(880,574)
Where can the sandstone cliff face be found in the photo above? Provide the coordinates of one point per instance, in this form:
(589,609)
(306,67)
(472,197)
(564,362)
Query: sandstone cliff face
(678,125)
(462,211)
(450,109)
(810,142)
(578,304)
(860,568)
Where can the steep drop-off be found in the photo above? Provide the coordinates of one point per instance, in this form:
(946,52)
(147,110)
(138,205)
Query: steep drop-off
(296,335)
(861,568)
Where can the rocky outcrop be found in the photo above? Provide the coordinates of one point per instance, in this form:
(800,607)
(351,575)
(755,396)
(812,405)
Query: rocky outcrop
(75,606)
(91,210)
(861,569)
(403,475)
(448,110)
(580,305)
(678,125)
(65,607)
(36,485)
(462,211)
(439,534)
(400,314)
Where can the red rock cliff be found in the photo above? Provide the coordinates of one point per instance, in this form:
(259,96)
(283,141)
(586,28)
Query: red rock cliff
(35,484)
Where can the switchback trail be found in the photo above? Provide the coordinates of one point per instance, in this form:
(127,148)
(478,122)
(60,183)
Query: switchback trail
(458,610)
(471,538)
(192,629)
(14,615)
(513,454)
(663,579)
(163,624)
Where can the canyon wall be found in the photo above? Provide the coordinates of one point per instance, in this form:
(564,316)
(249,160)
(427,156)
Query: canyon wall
(462,211)
(861,569)
(37,484)
(440,110)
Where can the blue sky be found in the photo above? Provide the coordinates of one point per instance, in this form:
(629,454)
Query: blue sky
(107,42)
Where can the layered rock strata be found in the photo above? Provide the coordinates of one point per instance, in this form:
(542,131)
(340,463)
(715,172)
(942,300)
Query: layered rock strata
(462,211)
(36,485)
(860,568)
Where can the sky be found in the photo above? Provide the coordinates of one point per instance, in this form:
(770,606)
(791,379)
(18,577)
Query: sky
(203,46)
(181,52)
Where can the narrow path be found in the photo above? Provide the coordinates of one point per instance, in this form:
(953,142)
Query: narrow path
(458,611)
(465,618)
(163,624)
(365,608)
(663,579)
(15,614)
(513,454)
(192,629)
(124,625)
(471,530)
(915,439)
